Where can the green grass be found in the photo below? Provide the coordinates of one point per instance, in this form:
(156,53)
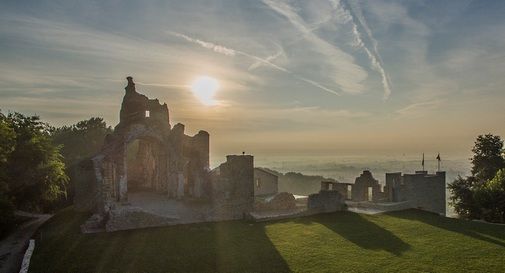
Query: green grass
(406,241)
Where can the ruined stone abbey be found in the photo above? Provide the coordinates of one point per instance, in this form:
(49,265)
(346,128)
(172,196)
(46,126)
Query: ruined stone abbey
(149,173)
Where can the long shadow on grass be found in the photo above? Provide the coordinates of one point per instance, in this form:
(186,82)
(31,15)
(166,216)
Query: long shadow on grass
(480,231)
(360,231)
(233,246)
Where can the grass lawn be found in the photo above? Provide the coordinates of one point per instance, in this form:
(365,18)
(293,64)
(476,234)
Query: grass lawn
(405,241)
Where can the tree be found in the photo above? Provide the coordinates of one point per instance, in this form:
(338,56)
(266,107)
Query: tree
(490,198)
(462,197)
(471,196)
(35,170)
(487,158)
(7,142)
(79,141)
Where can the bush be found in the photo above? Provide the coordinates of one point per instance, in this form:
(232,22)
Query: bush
(490,198)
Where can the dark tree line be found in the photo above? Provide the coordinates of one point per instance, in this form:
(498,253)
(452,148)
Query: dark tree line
(482,194)
(37,162)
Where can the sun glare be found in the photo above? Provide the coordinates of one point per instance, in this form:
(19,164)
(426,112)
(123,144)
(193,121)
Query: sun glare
(204,88)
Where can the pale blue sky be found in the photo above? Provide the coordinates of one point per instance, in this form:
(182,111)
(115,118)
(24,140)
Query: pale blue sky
(299,78)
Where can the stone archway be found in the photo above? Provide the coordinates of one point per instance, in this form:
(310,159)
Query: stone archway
(151,160)
(145,164)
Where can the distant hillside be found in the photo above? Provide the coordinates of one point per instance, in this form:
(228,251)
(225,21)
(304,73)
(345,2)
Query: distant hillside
(347,169)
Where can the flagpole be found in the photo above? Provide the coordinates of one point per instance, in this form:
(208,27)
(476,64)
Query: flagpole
(422,162)
(438,158)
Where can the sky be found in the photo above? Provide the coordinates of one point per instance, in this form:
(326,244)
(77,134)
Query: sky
(296,78)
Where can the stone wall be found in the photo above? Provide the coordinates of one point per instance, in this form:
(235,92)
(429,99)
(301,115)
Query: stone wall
(167,161)
(233,186)
(360,189)
(424,191)
(280,201)
(86,195)
(265,183)
(326,201)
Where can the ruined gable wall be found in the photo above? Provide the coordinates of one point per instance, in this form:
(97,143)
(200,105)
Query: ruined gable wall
(360,188)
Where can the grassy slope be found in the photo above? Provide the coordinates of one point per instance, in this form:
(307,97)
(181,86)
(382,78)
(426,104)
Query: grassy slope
(407,241)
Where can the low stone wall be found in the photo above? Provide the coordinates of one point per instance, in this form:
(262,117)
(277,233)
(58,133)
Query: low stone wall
(326,201)
(133,218)
(281,201)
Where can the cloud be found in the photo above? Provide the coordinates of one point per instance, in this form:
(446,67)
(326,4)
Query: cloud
(345,73)
(216,48)
(258,60)
(419,108)
(271,58)
(373,55)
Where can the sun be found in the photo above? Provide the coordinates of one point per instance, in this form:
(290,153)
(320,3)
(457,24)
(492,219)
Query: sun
(204,88)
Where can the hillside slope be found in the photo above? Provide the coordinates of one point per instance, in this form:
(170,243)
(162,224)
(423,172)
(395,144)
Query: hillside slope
(406,241)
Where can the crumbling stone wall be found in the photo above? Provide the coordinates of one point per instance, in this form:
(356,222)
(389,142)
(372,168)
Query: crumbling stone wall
(167,161)
(360,189)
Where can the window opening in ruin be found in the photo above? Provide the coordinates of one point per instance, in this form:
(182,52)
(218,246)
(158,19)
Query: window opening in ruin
(258,183)
(148,113)
(370,194)
(349,192)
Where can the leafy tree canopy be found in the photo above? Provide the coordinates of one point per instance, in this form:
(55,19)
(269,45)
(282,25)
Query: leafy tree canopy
(482,195)
(488,157)
(35,170)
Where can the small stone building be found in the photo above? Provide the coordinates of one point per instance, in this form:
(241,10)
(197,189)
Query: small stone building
(265,182)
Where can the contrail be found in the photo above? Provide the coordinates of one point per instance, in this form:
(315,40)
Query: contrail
(233,52)
(269,58)
(374,56)
(216,48)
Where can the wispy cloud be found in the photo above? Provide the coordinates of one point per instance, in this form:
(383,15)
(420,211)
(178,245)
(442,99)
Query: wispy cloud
(373,55)
(216,48)
(271,58)
(419,108)
(348,75)
(258,60)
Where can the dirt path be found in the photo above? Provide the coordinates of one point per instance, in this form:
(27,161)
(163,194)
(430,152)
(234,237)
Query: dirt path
(12,247)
